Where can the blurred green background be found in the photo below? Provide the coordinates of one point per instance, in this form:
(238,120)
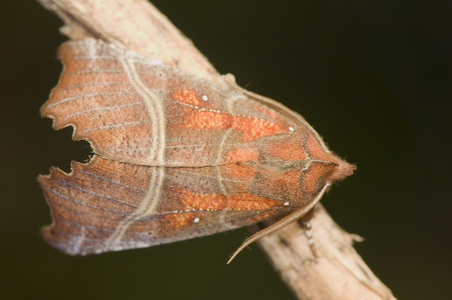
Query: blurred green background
(374,79)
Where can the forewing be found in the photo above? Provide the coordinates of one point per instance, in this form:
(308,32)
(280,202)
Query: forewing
(109,205)
(142,111)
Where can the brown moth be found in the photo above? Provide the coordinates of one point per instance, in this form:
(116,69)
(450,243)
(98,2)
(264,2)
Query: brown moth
(176,156)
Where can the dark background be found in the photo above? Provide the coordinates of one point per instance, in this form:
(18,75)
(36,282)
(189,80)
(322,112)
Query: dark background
(373,77)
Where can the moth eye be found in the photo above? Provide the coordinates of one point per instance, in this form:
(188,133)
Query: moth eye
(196,220)
(150,233)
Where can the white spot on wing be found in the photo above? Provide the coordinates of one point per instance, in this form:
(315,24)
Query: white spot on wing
(291,129)
(204,97)
(196,220)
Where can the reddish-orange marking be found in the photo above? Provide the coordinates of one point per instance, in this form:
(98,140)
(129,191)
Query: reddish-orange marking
(291,149)
(207,119)
(215,202)
(188,96)
(254,128)
(179,220)
(251,127)
(243,154)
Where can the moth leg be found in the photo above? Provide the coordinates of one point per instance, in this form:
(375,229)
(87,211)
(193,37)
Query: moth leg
(307,226)
(281,223)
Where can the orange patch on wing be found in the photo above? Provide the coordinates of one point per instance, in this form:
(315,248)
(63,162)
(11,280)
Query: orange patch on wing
(188,96)
(254,128)
(251,127)
(248,201)
(243,154)
(199,201)
(290,150)
(179,220)
(207,119)
(215,201)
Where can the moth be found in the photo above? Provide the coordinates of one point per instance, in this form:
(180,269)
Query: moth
(175,156)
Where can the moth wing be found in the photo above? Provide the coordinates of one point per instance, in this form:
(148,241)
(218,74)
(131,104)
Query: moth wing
(145,112)
(108,205)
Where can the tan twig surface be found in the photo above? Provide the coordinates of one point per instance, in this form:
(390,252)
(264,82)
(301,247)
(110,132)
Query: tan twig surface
(339,272)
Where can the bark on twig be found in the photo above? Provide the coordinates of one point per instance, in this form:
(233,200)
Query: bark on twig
(339,272)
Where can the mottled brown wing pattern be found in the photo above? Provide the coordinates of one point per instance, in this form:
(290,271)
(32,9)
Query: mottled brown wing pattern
(142,111)
(176,156)
(99,207)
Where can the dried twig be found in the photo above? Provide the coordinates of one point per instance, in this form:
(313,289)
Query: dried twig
(339,272)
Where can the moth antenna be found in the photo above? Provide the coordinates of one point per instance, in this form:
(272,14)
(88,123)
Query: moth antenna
(281,223)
